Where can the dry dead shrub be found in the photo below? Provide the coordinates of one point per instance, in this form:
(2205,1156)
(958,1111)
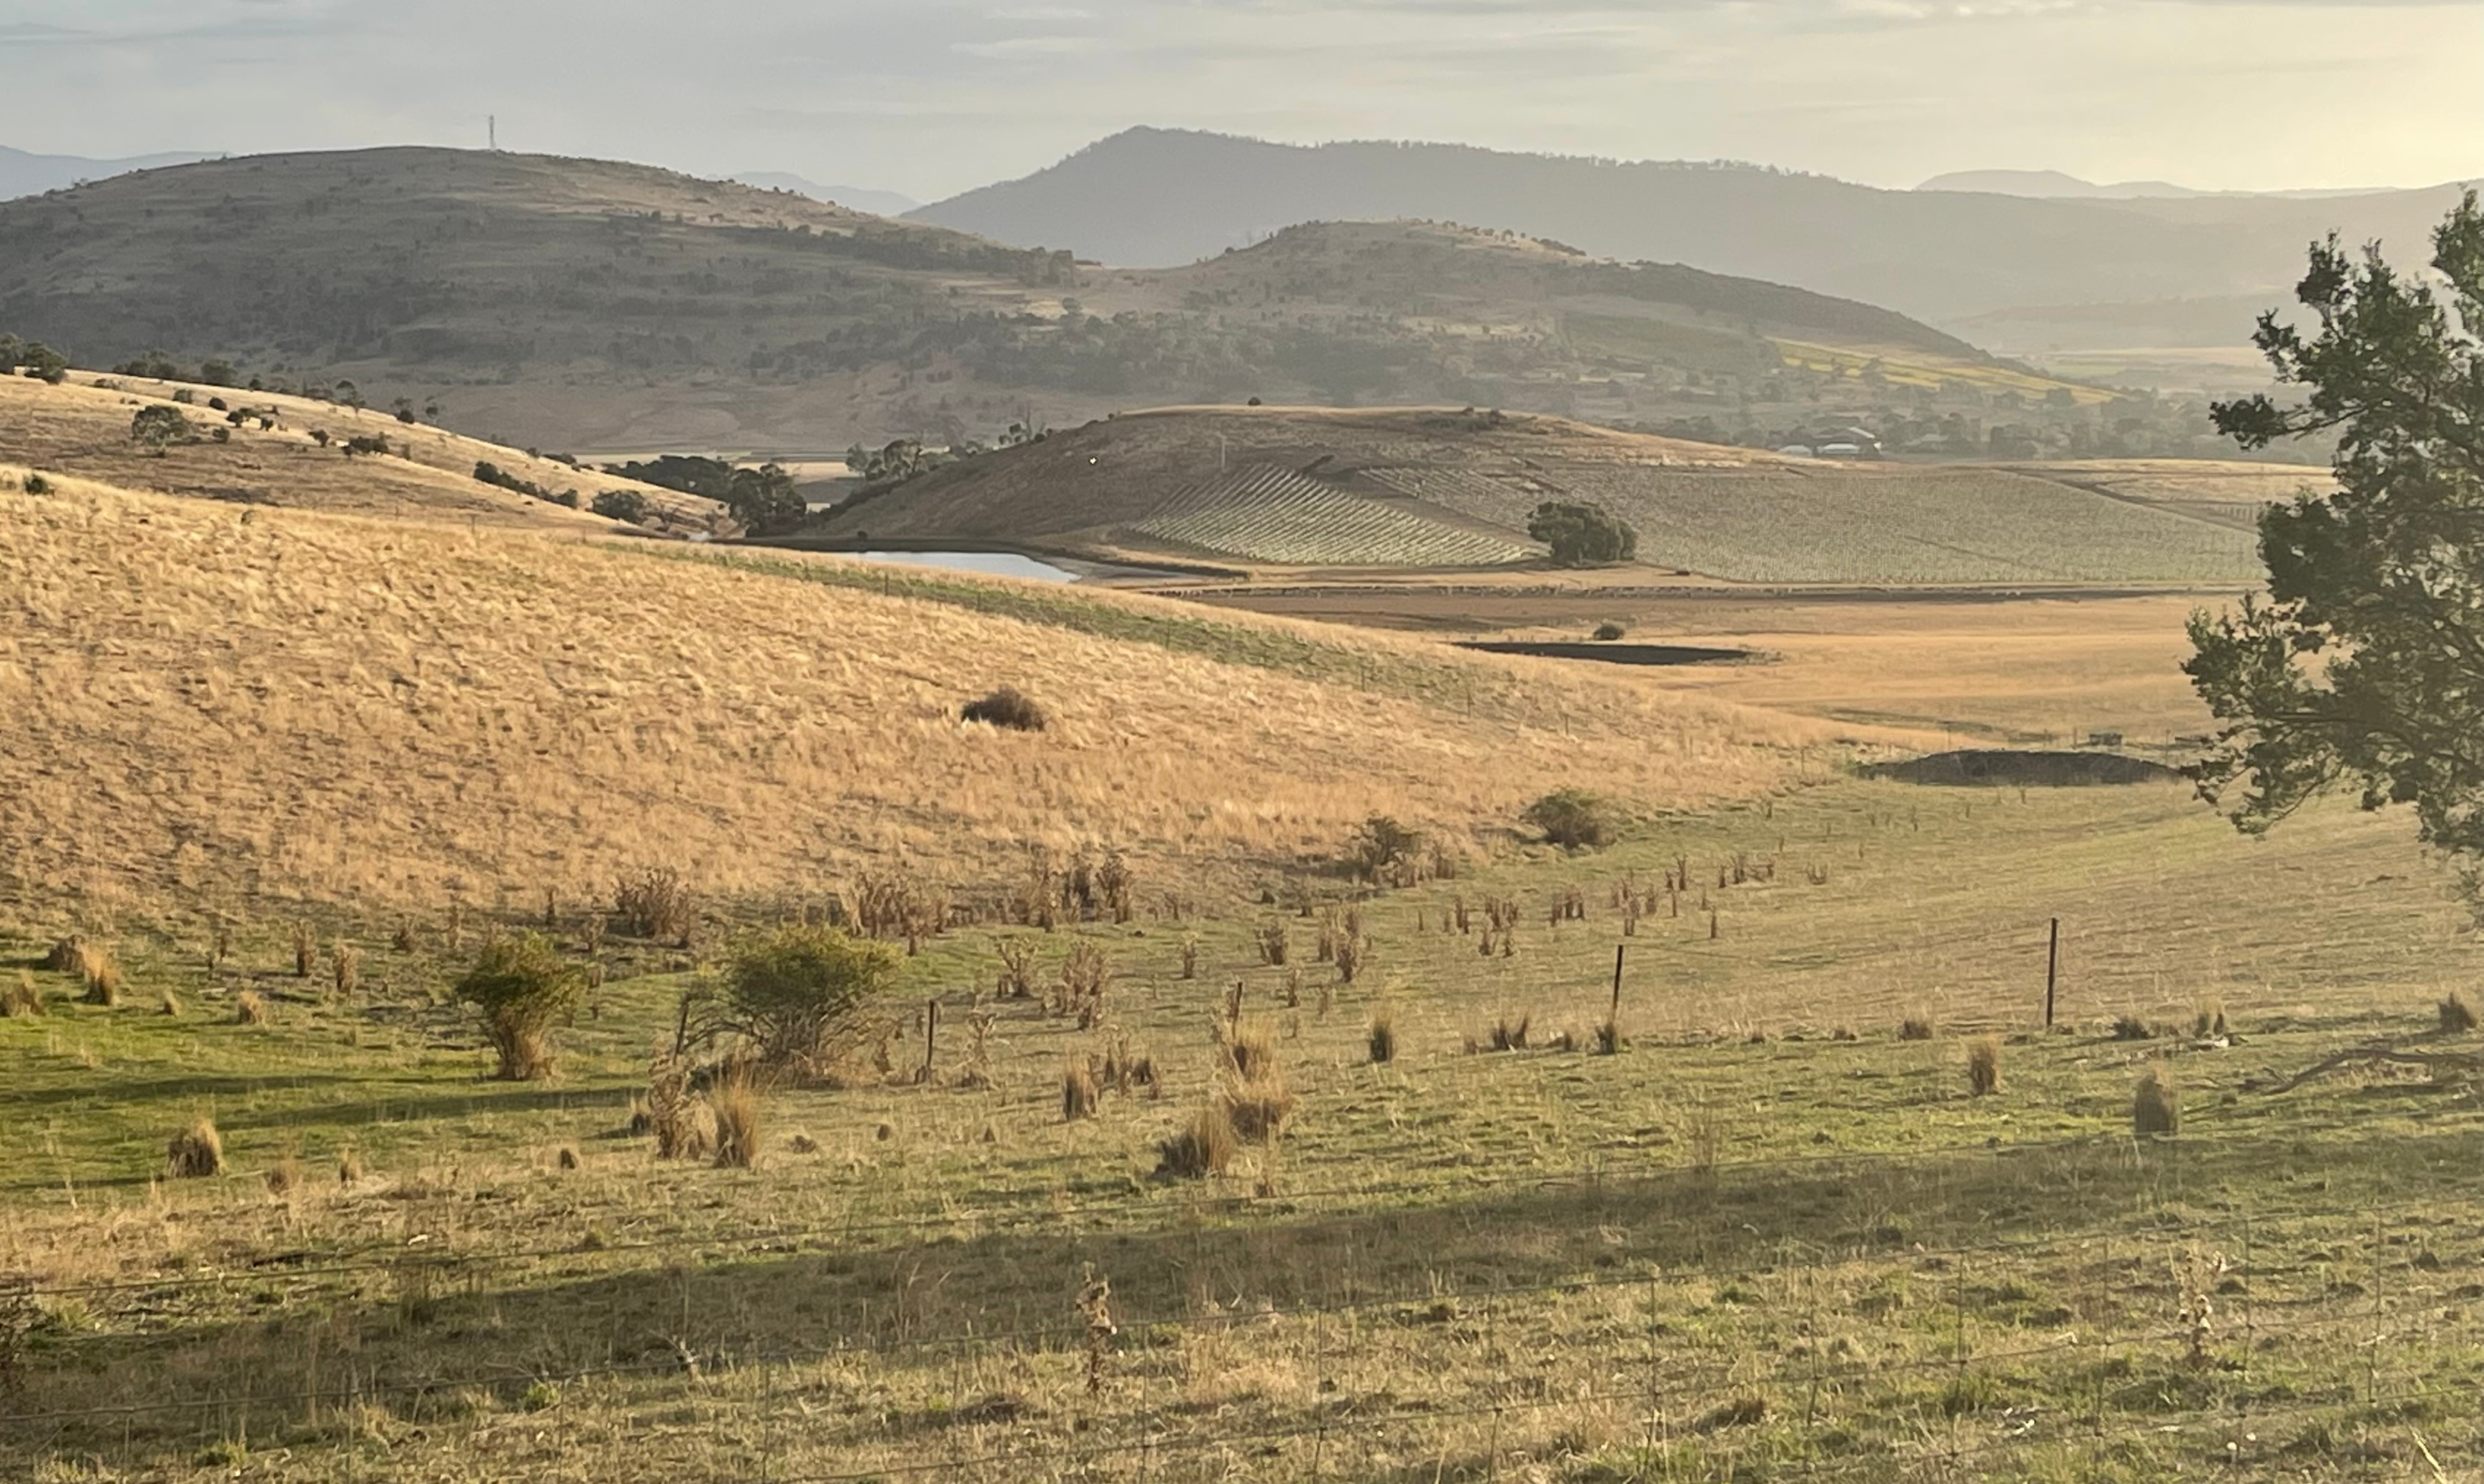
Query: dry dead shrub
(305,950)
(249,1008)
(1009,708)
(734,1110)
(1382,1038)
(1609,1042)
(24,998)
(1352,952)
(1190,956)
(1079,1093)
(569,1158)
(1017,969)
(1247,1051)
(682,1123)
(284,1177)
(1915,1027)
(654,905)
(1083,977)
(2156,1107)
(2457,1017)
(345,966)
(1983,1066)
(94,964)
(1504,1035)
(169,1006)
(1274,942)
(349,1166)
(2130,1028)
(1256,1108)
(196,1152)
(1205,1147)
(801,1143)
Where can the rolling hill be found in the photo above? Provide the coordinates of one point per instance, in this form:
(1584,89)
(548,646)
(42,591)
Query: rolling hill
(1153,197)
(607,307)
(206,706)
(82,429)
(22,173)
(1454,488)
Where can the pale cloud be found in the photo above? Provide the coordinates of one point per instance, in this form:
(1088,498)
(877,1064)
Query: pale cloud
(931,96)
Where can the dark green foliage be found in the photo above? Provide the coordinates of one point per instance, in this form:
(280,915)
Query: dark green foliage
(1007,706)
(2364,667)
(522,987)
(1574,818)
(366,443)
(793,991)
(1582,535)
(1609,632)
(158,426)
(690,474)
(154,364)
(628,506)
(219,373)
(764,499)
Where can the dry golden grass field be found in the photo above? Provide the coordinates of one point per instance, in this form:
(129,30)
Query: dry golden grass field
(1807,1190)
(82,428)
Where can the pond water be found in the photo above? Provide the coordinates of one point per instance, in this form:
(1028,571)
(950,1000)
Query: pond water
(986,563)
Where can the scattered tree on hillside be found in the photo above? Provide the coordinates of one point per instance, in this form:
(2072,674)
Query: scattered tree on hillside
(158,426)
(154,364)
(1582,535)
(2364,667)
(628,506)
(33,357)
(800,995)
(219,373)
(764,499)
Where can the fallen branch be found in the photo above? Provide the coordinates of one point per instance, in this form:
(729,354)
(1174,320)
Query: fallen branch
(2435,1062)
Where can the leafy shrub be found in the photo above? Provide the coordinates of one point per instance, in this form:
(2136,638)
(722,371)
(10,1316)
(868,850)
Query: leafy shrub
(1582,535)
(522,987)
(1574,818)
(796,992)
(2156,1107)
(158,425)
(1007,706)
(628,506)
(1609,632)
(655,904)
(1983,1066)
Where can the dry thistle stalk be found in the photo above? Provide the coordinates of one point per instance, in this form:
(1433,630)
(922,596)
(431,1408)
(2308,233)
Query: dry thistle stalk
(1094,1305)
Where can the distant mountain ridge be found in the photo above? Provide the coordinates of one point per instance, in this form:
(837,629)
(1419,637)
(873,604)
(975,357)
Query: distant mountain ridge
(1151,197)
(30,174)
(2055,185)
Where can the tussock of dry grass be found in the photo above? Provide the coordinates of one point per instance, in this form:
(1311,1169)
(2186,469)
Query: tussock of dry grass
(196,1152)
(455,711)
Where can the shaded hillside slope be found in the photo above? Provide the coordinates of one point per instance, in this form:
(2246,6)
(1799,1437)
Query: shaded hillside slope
(601,308)
(1158,197)
(201,706)
(1435,487)
(83,428)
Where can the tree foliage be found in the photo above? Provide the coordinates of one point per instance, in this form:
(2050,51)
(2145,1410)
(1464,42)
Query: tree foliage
(794,993)
(157,425)
(522,987)
(2363,667)
(1582,535)
(628,506)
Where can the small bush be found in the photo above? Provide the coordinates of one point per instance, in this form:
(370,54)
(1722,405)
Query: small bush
(798,994)
(1507,1035)
(349,1167)
(196,1152)
(1382,1036)
(1609,1042)
(1274,942)
(1573,819)
(1007,708)
(1609,632)
(283,1177)
(1205,1147)
(95,966)
(2457,1017)
(1256,1110)
(654,905)
(2156,1108)
(249,1009)
(1079,1093)
(628,506)
(2209,1018)
(522,988)
(1983,1066)
(2130,1028)
(733,1103)
(1381,851)
(1250,1051)
(684,1126)
(1915,1028)
(23,999)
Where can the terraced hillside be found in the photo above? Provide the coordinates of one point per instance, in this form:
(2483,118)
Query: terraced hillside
(1442,488)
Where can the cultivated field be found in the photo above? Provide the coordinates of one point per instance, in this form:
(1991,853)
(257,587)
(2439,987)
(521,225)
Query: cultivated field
(1448,488)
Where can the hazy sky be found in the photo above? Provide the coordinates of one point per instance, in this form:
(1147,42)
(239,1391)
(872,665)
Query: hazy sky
(932,97)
